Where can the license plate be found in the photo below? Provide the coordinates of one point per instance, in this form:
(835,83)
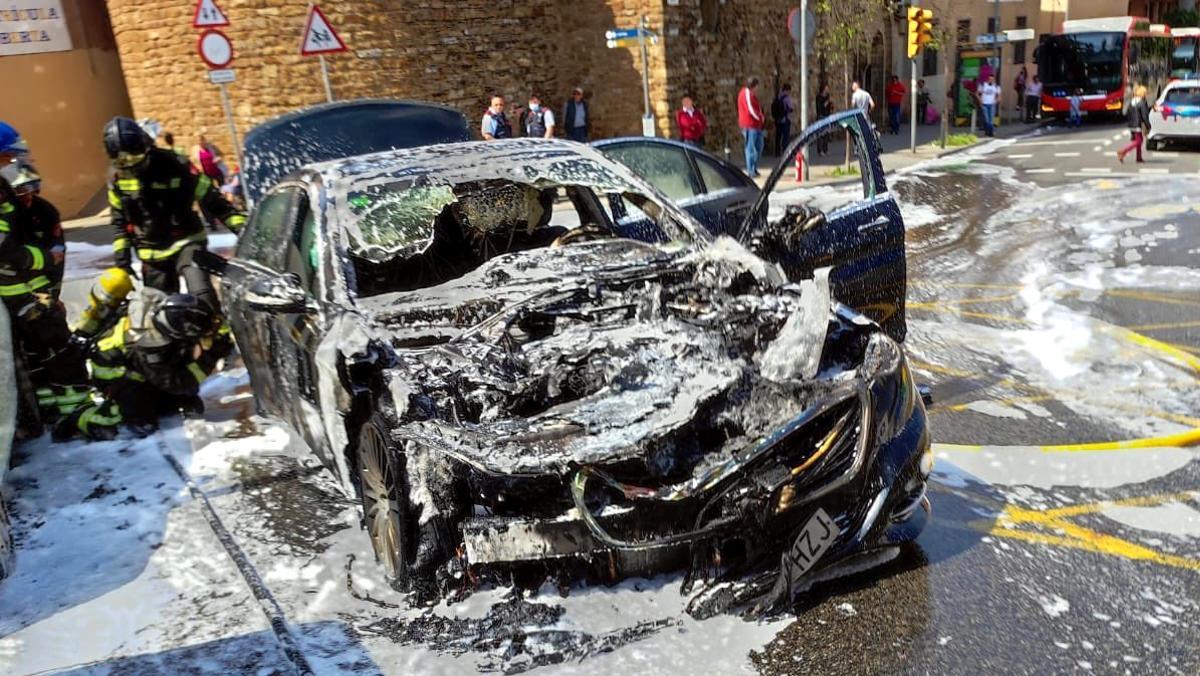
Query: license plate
(814,539)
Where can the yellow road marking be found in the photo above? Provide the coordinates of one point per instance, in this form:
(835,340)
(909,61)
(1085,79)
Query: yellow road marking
(937,307)
(1165,326)
(1153,297)
(960,301)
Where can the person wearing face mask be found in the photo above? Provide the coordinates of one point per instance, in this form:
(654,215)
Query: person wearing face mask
(538,121)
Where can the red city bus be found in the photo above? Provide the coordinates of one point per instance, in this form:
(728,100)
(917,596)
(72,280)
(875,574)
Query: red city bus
(1104,58)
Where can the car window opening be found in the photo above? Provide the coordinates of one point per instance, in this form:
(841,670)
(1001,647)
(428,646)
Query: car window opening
(422,236)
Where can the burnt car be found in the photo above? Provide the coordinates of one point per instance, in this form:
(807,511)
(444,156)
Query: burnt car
(519,352)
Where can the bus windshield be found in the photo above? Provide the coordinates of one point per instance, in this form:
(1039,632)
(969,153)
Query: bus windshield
(1089,61)
(1183,58)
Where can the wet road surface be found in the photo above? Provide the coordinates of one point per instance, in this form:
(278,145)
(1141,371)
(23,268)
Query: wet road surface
(1058,323)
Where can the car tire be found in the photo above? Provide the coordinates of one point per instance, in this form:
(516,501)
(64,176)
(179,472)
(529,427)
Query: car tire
(1152,144)
(383,490)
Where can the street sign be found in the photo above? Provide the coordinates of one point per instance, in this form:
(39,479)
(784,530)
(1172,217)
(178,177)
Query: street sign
(1019,34)
(319,36)
(208,15)
(215,49)
(621,33)
(990,38)
(810,25)
(222,76)
(622,42)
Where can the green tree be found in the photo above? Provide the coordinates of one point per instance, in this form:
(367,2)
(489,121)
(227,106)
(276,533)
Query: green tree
(846,30)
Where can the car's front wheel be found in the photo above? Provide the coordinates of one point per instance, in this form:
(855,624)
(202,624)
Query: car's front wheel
(384,493)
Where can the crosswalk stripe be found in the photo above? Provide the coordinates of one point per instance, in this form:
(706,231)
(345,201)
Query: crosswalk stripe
(1165,153)
(1097,149)
(1046,170)
(1066,154)
(1118,137)
(1096,170)
(1107,143)
(1093,174)
(1019,157)
(1154,171)
(1081,141)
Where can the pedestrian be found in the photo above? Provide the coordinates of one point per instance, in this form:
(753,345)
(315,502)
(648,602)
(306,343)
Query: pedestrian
(861,99)
(1033,99)
(54,365)
(1019,84)
(538,122)
(576,116)
(895,103)
(989,97)
(692,122)
(824,109)
(923,99)
(1075,114)
(151,197)
(751,121)
(781,111)
(495,125)
(206,156)
(1138,119)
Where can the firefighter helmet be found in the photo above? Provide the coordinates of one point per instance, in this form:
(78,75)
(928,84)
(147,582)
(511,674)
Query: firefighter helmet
(23,178)
(126,143)
(184,317)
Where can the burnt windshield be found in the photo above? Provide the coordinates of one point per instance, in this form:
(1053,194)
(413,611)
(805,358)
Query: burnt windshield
(413,235)
(1089,61)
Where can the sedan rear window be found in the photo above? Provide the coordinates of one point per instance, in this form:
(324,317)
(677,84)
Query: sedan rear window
(1183,96)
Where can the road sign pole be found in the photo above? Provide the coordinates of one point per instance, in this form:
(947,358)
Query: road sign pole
(803,80)
(645,75)
(325,78)
(912,103)
(225,103)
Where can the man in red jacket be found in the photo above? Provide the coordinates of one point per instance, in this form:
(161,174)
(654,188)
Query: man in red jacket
(751,120)
(692,123)
(895,103)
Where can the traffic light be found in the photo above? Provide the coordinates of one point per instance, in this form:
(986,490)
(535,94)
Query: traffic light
(920,30)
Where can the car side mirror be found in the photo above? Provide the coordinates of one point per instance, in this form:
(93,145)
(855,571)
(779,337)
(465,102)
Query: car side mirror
(281,295)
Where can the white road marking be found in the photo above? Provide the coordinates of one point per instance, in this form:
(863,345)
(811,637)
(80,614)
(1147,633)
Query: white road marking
(1096,170)
(1118,137)
(1047,170)
(1075,142)
(1019,157)
(1066,154)
(1165,153)
(1097,149)
(1107,143)
(1154,171)
(1093,174)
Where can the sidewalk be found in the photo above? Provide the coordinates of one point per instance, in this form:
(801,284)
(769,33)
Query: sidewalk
(896,153)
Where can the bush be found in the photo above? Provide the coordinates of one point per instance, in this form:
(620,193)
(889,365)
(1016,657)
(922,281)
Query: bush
(958,140)
(838,172)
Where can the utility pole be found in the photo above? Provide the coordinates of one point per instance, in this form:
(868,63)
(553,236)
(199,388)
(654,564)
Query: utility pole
(999,60)
(647,119)
(804,79)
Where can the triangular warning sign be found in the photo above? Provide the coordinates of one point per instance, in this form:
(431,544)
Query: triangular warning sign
(208,15)
(319,36)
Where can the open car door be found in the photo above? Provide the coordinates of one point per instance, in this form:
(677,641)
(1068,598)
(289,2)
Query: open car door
(862,240)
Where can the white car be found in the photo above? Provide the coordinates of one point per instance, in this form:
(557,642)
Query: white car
(1176,115)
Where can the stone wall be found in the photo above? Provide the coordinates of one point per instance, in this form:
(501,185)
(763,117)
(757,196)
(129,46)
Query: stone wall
(456,52)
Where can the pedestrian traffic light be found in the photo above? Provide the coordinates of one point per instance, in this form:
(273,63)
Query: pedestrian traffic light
(920,30)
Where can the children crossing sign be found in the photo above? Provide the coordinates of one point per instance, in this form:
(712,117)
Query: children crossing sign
(319,36)
(208,15)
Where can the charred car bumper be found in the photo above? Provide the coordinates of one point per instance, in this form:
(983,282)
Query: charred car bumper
(859,455)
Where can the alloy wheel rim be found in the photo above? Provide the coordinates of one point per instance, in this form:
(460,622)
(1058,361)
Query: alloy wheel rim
(380,509)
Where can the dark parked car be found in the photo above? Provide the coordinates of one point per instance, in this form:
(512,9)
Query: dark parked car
(330,131)
(602,385)
(716,193)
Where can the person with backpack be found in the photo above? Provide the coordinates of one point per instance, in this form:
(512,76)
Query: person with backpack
(781,110)
(537,121)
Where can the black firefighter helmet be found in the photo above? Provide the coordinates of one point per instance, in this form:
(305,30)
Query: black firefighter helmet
(126,143)
(184,317)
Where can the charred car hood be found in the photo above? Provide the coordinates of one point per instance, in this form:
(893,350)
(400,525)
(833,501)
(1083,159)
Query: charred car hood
(603,353)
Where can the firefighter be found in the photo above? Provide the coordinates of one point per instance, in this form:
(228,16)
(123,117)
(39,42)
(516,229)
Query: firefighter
(150,363)
(151,195)
(54,365)
(45,225)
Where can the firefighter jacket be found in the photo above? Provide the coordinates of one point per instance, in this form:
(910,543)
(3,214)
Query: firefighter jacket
(24,265)
(134,351)
(152,208)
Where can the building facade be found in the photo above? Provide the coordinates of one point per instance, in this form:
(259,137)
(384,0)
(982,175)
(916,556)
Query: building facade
(60,64)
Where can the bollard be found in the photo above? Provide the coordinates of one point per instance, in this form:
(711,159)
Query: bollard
(799,167)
